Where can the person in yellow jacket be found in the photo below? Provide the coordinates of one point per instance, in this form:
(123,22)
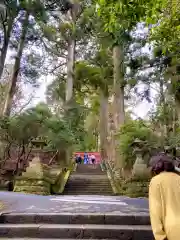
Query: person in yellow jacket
(164,199)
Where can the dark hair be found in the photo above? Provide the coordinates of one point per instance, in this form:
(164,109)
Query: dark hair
(161,163)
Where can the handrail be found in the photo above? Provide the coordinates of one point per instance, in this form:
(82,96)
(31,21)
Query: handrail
(109,168)
(110,174)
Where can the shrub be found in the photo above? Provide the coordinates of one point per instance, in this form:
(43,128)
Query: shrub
(128,133)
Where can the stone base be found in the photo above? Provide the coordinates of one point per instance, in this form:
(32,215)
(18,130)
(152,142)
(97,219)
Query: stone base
(35,180)
(32,186)
(140,171)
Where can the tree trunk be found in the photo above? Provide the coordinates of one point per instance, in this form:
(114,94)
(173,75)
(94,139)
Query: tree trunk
(70,69)
(7,34)
(16,68)
(164,125)
(73,16)
(118,103)
(104,126)
(177,102)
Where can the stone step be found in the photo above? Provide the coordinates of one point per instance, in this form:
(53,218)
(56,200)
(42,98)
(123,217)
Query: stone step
(84,180)
(81,184)
(69,183)
(90,179)
(85,187)
(89,166)
(89,169)
(88,190)
(88,186)
(98,182)
(78,187)
(89,173)
(88,193)
(75,218)
(89,231)
(44,239)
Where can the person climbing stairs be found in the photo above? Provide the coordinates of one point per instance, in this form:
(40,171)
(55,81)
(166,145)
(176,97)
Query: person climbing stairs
(88,180)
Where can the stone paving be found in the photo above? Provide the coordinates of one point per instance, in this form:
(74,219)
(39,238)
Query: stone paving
(23,203)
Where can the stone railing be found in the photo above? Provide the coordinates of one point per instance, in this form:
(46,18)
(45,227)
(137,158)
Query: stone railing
(112,179)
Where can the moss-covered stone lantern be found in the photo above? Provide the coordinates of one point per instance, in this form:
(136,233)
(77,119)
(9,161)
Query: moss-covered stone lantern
(140,168)
(39,143)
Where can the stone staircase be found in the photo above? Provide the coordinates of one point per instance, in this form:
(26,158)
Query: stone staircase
(74,226)
(88,180)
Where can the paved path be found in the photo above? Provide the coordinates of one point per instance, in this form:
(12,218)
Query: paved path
(21,203)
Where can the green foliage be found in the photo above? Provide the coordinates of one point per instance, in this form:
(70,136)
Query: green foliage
(39,121)
(90,75)
(59,136)
(166,13)
(120,16)
(163,114)
(129,132)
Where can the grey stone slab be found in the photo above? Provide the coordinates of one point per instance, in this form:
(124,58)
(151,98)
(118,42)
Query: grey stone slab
(61,231)
(87,218)
(109,232)
(142,219)
(75,231)
(143,234)
(122,219)
(17,218)
(21,231)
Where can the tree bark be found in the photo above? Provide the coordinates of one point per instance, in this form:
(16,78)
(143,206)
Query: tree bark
(103,126)
(16,69)
(73,16)
(7,34)
(70,69)
(118,102)
(164,125)
(177,103)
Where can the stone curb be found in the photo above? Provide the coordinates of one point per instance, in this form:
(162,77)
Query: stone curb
(70,218)
(76,231)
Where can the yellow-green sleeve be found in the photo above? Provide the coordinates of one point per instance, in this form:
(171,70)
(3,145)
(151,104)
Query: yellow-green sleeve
(155,208)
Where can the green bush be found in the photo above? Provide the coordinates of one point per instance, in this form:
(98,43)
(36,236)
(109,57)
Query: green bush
(128,133)
(58,131)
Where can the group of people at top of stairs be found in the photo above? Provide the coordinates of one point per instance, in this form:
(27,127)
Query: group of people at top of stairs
(87,159)
(164,198)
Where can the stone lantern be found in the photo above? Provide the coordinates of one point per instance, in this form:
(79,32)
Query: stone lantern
(39,143)
(140,168)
